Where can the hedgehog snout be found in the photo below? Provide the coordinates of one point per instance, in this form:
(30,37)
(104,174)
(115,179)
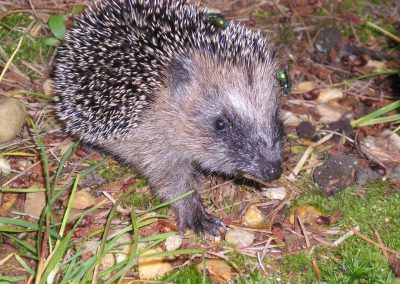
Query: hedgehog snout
(271,170)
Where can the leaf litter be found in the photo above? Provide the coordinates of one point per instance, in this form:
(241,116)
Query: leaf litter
(341,72)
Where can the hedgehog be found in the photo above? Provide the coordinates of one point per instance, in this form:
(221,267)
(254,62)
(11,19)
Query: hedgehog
(175,92)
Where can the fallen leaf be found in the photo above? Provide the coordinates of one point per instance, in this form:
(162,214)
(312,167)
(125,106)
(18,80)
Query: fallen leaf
(278,232)
(218,268)
(329,220)
(394,263)
(307,213)
(153,267)
(253,216)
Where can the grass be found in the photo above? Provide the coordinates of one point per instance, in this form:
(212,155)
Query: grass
(187,275)
(58,258)
(374,208)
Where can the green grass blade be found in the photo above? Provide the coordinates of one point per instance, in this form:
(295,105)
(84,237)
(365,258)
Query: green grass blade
(25,266)
(83,174)
(167,203)
(132,259)
(378,120)
(21,223)
(375,114)
(22,243)
(63,161)
(113,211)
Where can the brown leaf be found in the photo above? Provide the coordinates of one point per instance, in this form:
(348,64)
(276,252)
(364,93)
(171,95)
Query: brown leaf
(394,262)
(328,220)
(279,233)
(307,213)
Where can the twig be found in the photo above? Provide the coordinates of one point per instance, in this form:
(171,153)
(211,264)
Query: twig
(260,264)
(385,254)
(306,154)
(265,250)
(345,236)
(316,270)
(375,243)
(303,229)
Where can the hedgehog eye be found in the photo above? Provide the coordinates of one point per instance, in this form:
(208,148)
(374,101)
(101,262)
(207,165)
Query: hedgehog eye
(220,124)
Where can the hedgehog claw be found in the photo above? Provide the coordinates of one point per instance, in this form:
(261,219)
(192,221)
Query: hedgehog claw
(192,215)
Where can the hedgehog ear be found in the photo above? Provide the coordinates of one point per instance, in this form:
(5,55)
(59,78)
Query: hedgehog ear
(180,74)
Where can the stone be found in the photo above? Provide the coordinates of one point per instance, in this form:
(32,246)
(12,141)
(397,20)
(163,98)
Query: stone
(152,267)
(12,118)
(329,113)
(83,200)
(276,193)
(5,167)
(173,242)
(253,216)
(326,95)
(34,203)
(239,238)
(337,173)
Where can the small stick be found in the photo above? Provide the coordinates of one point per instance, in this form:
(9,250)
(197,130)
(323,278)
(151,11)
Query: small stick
(265,249)
(345,236)
(385,254)
(375,243)
(259,259)
(316,270)
(305,233)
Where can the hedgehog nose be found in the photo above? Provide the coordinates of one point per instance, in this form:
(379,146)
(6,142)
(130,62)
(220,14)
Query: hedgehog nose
(272,170)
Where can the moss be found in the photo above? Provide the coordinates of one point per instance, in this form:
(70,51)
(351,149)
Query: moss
(374,208)
(188,275)
(255,278)
(144,201)
(112,173)
(32,49)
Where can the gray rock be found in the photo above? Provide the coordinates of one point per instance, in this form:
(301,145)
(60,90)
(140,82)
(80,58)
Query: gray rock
(337,173)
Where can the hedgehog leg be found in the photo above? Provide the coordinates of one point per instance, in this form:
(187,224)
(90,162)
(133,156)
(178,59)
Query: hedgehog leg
(192,215)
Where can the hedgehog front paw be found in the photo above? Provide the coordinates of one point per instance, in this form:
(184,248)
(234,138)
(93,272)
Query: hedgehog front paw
(192,215)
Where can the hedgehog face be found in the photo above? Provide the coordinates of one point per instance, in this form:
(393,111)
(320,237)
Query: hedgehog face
(230,118)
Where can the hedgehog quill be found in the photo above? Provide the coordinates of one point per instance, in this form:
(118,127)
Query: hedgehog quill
(176,93)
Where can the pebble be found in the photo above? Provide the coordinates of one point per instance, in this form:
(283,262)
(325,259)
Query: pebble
(123,245)
(5,168)
(239,238)
(328,38)
(378,65)
(326,95)
(173,242)
(305,87)
(366,175)
(153,267)
(343,125)
(289,118)
(34,203)
(329,113)
(307,130)
(83,200)
(47,87)
(253,216)
(276,193)
(12,118)
(337,173)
